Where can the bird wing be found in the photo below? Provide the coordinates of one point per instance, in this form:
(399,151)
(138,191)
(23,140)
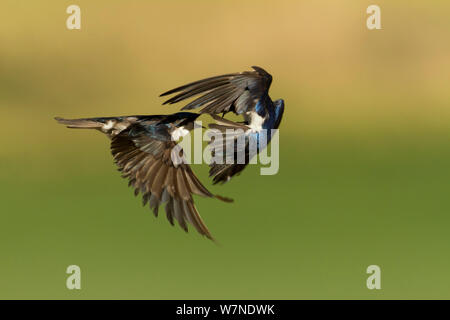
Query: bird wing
(232,148)
(155,169)
(237,92)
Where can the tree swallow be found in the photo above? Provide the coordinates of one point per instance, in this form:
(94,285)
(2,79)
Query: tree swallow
(244,93)
(146,152)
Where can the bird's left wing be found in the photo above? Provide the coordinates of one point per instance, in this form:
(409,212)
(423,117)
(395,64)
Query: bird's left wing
(236,92)
(155,169)
(232,146)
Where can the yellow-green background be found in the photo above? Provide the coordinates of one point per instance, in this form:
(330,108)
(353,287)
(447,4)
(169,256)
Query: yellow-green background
(365,150)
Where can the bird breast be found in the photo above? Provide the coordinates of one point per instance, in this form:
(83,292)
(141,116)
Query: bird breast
(255,121)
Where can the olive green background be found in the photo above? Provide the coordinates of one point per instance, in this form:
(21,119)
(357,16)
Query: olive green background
(364,150)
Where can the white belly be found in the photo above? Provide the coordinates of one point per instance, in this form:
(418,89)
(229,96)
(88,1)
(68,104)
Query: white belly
(255,121)
(178,133)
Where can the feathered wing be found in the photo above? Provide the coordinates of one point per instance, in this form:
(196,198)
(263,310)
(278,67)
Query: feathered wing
(236,92)
(155,169)
(145,154)
(232,148)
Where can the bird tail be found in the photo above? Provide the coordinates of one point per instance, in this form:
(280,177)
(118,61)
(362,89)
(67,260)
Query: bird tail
(86,123)
(111,126)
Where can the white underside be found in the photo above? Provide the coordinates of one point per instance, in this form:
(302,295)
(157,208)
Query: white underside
(114,127)
(255,121)
(178,133)
(108,126)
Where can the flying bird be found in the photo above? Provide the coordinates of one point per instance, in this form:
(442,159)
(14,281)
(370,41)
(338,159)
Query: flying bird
(145,150)
(244,93)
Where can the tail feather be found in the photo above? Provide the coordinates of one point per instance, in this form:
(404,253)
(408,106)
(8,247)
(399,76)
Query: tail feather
(111,126)
(92,123)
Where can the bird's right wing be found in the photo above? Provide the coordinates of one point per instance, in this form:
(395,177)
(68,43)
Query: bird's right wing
(237,92)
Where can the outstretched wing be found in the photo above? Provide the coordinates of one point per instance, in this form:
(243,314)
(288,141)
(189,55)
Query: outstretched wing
(236,92)
(155,169)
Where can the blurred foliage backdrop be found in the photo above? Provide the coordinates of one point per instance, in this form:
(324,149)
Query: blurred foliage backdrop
(365,161)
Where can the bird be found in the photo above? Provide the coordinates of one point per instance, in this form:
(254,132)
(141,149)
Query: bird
(244,93)
(145,149)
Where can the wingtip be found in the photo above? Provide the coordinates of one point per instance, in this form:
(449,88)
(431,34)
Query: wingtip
(209,236)
(217,243)
(256,68)
(165,93)
(169,92)
(260,70)
(224,199)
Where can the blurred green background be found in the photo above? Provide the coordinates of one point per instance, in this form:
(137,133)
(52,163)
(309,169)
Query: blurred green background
(364,167)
